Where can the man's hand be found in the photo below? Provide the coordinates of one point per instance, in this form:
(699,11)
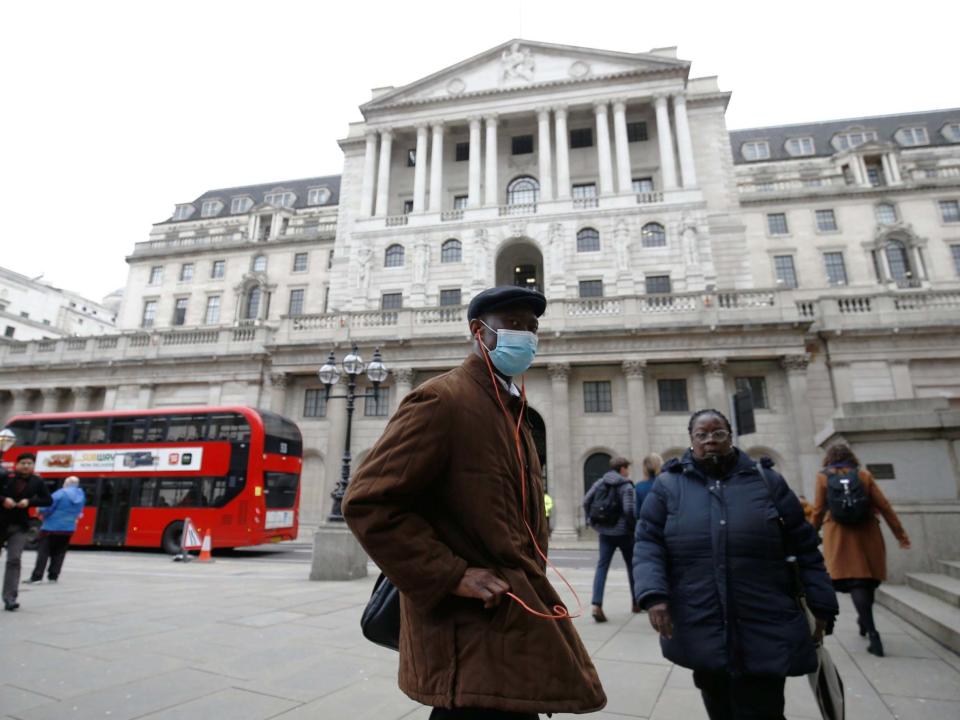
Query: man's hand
(819,630)
(482,585)
(23,503)
(660,619)
(9,504)
(905,543)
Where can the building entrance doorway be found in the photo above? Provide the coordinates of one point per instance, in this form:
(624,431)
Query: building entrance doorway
(520,264)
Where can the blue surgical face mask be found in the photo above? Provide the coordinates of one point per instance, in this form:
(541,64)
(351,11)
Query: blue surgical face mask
(514,352)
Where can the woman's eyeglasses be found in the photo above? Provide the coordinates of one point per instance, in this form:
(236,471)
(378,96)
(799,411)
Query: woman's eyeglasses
(718,435)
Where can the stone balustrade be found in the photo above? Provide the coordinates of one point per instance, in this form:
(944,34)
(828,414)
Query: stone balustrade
(235,237)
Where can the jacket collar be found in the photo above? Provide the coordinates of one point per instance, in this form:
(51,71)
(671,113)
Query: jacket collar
(744,463)
(476,367)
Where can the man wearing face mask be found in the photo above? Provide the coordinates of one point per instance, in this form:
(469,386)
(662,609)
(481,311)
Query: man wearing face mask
(449,504)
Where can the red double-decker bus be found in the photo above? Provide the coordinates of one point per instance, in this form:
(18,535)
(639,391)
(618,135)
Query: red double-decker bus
(232,470)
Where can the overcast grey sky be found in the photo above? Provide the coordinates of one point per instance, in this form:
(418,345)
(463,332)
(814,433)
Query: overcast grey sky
(114,111)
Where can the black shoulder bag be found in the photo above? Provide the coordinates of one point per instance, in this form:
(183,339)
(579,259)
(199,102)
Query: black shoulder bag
(380,623)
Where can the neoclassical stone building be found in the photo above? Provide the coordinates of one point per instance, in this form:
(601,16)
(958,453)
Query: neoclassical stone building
(681,261)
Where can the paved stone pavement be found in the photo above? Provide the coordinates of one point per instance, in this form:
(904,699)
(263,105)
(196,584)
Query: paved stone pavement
(133,635)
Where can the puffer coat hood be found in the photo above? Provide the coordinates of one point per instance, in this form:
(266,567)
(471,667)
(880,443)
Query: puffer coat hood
(67,507)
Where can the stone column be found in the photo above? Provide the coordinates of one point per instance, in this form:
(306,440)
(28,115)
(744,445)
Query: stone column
(684,141)
(420,170)
(369,175)
(254,393)
(895,177)
(110,397)
(383,176)
(436,169)
(887,173)
(51,396)
(214,393)
(278,392)
(902,382)
(145,396)
(795,367)
(544,155)
(81,398)
(563,152)
(842,376)
(624,175)
(21,401)
(403,384)
(713,370)
(856,169)
(474,162)
(603,148)
(490,181)
(563,482)
(635,372)
(668,169)
(864,175)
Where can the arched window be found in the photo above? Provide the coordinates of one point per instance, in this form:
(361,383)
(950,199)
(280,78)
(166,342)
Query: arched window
(451,251)
(594,468)
(886,213)
(653,235)
(393,256)
(898,259)
(252,310)
(588,240)
(523,191)
(259,263)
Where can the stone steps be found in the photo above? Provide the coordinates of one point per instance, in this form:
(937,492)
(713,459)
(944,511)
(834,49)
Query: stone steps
(951,568)
(930,602)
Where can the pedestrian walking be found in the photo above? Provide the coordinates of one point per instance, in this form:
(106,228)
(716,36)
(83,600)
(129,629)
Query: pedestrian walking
(449,505)
(19,491)
(610,509)
(59,523)
(651,468)
(710,568)
(846,506)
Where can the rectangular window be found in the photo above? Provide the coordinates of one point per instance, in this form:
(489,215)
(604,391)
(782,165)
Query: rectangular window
(657,284)
(210,208)
(391,301)
(643,185)
(211,316)
(521,145)
(186,272)
(149,313)
(591,288)
(315,402)
(637,131)
(378,406)
(673,395)
(758,390)
(180,311)
(156,275)
(218,269)
(407,207)
(800,146)
(296,302)
(300,262)
(836,269)
(913,136)
(8,331)
(581,138)
(584,190)
(826,221)
(459,202)
(882,471)
(777,224)
(950,211)
(785,271)
(755,150)
(280,199)
(954,250)
(240,205)
(597,397)
(412,157)
(450,297)
(462,152)
(875,175)
(92,431)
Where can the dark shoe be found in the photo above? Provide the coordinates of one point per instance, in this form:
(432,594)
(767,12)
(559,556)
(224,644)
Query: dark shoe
(53,580)
(875,647)
(637,608)
(32,580)
(11,606)
(598,614)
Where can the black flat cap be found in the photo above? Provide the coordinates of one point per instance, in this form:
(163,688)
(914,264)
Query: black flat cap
(503,295)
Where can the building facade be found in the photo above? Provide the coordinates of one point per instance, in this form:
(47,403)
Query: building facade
(680,261)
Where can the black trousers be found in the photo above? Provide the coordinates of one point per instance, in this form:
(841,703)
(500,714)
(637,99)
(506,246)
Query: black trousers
(52,547)
(748,697)
(478,714)
(15,539)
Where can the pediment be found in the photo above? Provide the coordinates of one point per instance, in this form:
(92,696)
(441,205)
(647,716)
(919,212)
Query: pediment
(518,65)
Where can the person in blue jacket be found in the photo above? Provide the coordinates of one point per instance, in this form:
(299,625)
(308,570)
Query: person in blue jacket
(651,468)
(710,568)
(59,524)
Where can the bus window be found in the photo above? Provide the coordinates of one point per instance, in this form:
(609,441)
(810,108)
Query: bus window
(25,430)
(282,436)
(280,489)
(156,429)
(148,493)
(90,431)
(228,426)
(179,492)
(185,428)
(128,430)
(53,432)
(89,487)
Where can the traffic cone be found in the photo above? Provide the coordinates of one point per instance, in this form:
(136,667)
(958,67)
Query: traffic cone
(205,548)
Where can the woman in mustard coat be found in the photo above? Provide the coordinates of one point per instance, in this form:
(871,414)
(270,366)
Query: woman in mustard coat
(856,556)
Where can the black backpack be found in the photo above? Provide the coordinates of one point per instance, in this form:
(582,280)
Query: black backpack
(847,498)
(606,505)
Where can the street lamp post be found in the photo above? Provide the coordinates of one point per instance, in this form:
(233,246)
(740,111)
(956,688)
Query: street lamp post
(7,439)
(353,367)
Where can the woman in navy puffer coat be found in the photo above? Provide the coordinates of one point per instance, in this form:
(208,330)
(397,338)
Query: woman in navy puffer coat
(709,566)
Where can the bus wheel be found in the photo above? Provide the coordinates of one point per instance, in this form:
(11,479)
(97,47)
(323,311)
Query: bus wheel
(171,538)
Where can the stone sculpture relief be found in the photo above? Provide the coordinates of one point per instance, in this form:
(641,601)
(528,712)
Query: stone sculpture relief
(517,63)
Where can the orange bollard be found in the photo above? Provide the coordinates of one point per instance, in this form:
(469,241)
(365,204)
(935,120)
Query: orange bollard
(206,548)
